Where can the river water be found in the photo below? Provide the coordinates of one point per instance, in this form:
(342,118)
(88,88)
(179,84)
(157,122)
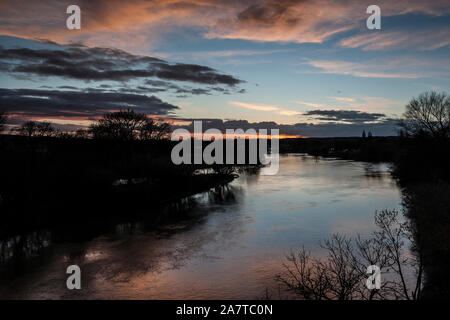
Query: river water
(230,245)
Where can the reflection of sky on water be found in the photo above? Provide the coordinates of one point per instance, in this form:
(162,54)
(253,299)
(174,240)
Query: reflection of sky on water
(232,245)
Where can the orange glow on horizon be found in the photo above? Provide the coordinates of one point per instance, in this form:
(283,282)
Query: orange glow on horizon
(85,122)
(209,137)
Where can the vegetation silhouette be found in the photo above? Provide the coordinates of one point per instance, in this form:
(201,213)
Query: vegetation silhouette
(342,275)
(428,114)
(3,118)
(420,155)
(118,168)
(127,125)
(37,129)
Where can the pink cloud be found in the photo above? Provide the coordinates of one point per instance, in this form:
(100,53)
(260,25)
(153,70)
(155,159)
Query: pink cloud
(421,40)
(363,70)
(138,24)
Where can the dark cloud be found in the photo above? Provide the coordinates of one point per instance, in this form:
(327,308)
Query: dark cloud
(166,86)
(269,13)
(352,116)
(138,90)
(193,73)
(68,87)
(106,64)
(87,103)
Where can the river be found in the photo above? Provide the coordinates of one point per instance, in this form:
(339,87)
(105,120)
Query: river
(230,245)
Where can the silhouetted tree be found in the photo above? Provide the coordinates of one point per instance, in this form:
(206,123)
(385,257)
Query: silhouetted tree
(128,125)
(154,130)
(428,114)
(363,134)
(45,129)
(3,118)
(62,134)
(82,134)
(369,135)
(343,274)
(28,129)
(36,129)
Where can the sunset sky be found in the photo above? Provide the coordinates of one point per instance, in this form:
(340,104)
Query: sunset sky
(307,67)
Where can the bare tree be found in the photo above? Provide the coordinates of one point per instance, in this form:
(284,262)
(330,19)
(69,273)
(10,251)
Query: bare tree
(82,134)
(28,129)
(128,125)
(163,129)
(121,125)
(45,129)
(343,274)
(3,118)
(154,130)
(428,113)
(36,129)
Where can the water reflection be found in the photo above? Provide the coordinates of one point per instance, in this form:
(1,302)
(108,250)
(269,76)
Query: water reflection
(225,243)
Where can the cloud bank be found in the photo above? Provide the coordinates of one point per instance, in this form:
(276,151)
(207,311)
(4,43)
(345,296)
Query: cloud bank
(349,116)
(87,104)
(111,21)
(98,64)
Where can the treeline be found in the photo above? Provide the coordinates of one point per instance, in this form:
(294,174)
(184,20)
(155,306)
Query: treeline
(423,171)
(421,158)
(124,125)
(371,149)
(421,151)
(120,168)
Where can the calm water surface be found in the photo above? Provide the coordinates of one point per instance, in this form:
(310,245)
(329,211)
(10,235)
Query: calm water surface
(233,244)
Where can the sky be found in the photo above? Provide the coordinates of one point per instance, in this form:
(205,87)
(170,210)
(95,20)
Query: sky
(309,68)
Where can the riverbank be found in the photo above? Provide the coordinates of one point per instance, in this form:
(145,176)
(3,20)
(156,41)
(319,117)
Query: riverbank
(111,206)
(373,149)
(54,183)
(421,169)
